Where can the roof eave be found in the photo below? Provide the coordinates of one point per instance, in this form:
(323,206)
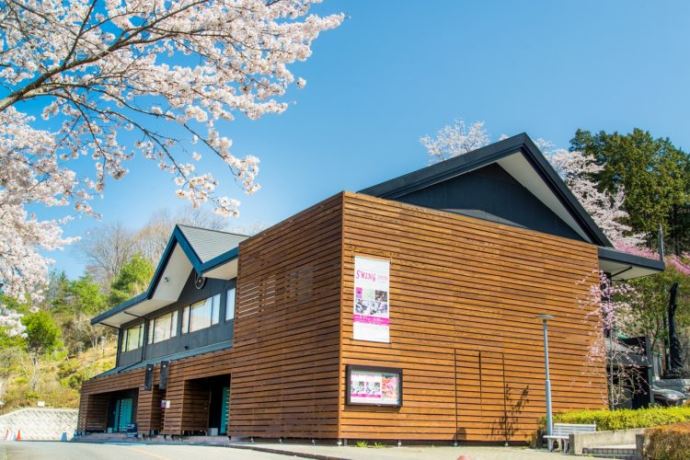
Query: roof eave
(631,259)
(119,308)
(177,237)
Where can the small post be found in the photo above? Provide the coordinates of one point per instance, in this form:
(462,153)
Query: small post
(547,377)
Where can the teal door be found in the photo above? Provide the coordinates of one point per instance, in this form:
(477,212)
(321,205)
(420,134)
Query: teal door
(225,405)
(123,414)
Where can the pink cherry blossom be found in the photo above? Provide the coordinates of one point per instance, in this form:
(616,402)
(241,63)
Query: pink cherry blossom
(170,73)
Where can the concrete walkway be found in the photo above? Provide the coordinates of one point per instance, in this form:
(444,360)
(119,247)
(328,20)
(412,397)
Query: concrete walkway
(411,453)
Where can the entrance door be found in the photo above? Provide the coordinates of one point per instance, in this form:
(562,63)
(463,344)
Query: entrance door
(123,414)
(225,405)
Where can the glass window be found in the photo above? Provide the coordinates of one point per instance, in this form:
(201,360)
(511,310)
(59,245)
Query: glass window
(215,309)
(165,327)
(150,337)
(230,305)
(173,324)
(185,320)
(134,337)
(202,314)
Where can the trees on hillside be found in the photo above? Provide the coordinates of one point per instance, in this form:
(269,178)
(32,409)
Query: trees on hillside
(117,79)
(133,279)
(42,336)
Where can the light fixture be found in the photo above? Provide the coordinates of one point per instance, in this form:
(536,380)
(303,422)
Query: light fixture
(545,317)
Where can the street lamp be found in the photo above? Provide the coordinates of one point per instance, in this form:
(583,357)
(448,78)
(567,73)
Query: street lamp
(547,379)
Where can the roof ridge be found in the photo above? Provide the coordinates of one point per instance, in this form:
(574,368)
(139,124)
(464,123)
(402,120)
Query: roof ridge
(225,232)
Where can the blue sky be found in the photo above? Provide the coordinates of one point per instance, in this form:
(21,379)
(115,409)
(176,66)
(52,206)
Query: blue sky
(398,70)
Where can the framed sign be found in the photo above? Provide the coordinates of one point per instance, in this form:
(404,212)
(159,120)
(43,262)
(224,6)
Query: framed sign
(371,309)
(374,386)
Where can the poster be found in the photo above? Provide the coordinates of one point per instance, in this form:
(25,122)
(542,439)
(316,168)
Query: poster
(371,315)
(374,386)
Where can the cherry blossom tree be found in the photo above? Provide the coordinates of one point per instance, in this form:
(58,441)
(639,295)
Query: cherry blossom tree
(117,78)
(606,210)
(455,139)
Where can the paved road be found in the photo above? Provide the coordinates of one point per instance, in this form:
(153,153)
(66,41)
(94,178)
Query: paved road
(122,451)
(81,451)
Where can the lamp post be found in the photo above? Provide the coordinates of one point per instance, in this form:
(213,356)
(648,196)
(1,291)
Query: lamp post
(547,378)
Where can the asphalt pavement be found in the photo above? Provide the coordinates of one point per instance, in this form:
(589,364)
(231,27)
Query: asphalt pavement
(29,450)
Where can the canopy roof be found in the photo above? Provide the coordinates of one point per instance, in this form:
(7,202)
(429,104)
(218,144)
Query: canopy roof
(210,253)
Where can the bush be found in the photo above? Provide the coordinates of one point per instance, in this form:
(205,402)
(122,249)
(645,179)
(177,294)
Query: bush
(622,419)
(670,442)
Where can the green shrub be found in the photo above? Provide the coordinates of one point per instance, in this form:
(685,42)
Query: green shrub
(622,419)
(670,442)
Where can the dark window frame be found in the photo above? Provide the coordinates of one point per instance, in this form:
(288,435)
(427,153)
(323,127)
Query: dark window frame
(390,370)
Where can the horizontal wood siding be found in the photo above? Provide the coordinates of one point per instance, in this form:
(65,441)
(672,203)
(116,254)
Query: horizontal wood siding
(285,365)
(284,359)
(95,398)
(464,298)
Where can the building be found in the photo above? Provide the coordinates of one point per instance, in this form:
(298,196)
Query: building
(406,311)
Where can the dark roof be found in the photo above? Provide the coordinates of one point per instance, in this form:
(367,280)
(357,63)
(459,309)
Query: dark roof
(461,164)
(192,243)
(171,357)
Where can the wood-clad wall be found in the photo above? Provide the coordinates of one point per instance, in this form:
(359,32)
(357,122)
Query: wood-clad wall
(284,359)
(464,298)
(285,362)
(464,295)
(93,406)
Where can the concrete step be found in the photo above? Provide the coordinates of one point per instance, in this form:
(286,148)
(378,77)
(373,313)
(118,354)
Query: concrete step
(625,452)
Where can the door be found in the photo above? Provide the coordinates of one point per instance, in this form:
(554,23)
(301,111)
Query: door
(225,405)
(123,414)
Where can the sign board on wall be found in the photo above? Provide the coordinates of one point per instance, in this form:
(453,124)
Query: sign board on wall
(371,314)
(377,386)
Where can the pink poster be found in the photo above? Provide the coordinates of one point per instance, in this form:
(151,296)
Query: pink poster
(374,387)
(371,315)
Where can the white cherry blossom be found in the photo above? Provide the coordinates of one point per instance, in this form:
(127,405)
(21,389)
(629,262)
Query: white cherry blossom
(166,73)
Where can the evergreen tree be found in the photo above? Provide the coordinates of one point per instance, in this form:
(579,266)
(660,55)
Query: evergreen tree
(133,279)
(655,175)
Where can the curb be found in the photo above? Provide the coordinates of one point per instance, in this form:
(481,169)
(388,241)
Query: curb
(289,453)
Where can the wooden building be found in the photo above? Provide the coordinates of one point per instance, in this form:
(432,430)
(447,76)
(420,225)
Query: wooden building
(407,311)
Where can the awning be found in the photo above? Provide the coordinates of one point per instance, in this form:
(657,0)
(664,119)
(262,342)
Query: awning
(623,266)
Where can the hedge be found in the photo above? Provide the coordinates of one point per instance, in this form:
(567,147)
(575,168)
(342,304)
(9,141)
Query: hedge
(621,419)
(671,442)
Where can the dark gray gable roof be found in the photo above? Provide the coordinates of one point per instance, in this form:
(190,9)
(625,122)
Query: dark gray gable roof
(457,166)
(205,249)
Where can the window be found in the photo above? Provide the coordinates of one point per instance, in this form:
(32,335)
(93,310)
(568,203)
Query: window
(185,320)
(230,305)
(201,314)
(163,327)
(133,338)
